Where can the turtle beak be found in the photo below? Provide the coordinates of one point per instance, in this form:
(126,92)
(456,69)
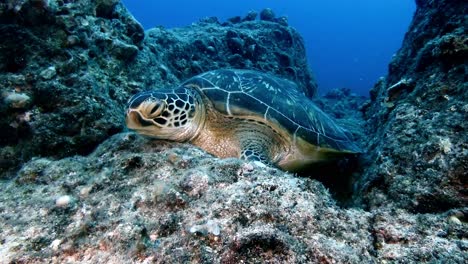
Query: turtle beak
(142,111)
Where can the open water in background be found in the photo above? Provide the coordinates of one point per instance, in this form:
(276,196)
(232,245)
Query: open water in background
(349,43)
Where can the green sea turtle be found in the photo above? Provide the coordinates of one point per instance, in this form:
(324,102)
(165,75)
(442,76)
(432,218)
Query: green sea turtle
(241,113)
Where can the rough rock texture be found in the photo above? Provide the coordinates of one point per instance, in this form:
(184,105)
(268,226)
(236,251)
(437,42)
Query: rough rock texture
(180,53)
(66,70)
(418,117)
(59,69)
(139,200)
(68,67)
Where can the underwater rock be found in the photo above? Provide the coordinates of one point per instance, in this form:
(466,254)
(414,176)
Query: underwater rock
(235,20)
(251,16)
(259,211)
(16,100)
(140,200)
(418,156)
(68,56)
(173,55)
(267,14)
(64,201)
(48,73)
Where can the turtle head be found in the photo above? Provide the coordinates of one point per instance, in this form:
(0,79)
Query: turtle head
(173,114)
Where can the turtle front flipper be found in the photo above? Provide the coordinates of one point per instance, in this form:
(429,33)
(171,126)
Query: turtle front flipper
(255,148)
(251,153)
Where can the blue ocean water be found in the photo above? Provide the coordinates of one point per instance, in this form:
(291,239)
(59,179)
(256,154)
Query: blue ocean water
(349,43)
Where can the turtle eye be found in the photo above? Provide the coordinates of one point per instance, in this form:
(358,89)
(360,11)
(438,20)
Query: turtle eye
(155,108)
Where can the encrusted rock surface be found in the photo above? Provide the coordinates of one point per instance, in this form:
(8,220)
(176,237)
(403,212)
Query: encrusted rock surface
(418,117)
(95,194)
(139,200)
(66,57)
(170,55)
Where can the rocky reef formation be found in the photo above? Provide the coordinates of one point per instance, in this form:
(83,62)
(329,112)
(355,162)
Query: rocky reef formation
(67,68)
(418,117)
(243,43)
(60,63)
(139,200)
(93,193)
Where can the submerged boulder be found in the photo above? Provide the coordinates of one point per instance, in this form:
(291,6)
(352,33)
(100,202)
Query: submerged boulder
(171,55)
(139,200)
(417,117)
(65,57)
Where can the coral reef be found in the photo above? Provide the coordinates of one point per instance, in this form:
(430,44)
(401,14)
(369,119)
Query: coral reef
(77,188)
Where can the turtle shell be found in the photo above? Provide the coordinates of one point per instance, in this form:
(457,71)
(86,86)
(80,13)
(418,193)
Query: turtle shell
(244,93)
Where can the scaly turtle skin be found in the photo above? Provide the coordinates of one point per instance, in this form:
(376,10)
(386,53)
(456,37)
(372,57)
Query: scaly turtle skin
(241,113)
